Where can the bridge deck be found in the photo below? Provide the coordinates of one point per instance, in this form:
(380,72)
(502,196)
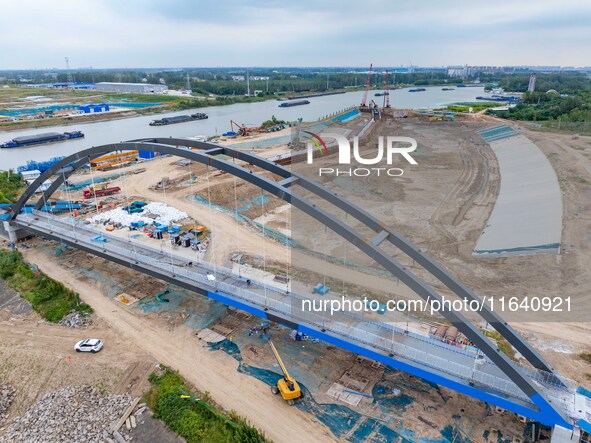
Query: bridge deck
(459,369)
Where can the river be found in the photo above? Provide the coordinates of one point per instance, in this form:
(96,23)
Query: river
(251,114)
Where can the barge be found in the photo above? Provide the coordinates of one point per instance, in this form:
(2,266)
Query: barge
(296,103)
(178,119)
(39,139)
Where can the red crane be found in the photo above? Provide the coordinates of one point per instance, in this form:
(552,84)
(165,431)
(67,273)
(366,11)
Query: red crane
(241,129)
(387,97)
(364,102)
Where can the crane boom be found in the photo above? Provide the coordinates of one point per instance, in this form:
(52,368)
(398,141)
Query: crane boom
(364,102)
(387,97)
(278,357)
(287,386)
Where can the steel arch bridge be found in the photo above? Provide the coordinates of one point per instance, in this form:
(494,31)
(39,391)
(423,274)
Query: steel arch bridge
(538,393)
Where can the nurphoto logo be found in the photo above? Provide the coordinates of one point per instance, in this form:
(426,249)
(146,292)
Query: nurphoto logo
(387,147)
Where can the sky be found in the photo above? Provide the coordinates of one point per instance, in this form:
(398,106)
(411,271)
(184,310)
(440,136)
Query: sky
(195,33)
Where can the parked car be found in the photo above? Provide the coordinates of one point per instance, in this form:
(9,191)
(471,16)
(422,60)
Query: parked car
(89,345)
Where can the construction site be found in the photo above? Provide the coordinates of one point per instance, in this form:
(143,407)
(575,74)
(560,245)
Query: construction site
(457,205)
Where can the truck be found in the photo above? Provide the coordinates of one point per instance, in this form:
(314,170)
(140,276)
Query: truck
(100,192)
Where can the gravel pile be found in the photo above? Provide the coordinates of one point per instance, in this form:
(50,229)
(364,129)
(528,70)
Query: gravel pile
(161,212)
(7,394)
(71,414)
(75,320)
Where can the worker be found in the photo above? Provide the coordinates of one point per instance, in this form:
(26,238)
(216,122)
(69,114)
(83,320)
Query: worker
(248,282)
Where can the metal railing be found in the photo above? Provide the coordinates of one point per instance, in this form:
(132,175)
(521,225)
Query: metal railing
(428,353)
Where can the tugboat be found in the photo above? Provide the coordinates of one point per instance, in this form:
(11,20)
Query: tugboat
(199,116)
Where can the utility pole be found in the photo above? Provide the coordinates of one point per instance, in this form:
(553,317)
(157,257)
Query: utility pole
(69,77)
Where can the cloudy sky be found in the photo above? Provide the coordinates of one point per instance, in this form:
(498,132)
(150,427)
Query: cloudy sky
(175,33)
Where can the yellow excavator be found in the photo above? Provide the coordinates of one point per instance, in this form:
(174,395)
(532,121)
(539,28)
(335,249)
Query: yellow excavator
(286,386)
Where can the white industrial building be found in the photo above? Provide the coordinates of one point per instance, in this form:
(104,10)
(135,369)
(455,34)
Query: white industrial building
(137,88)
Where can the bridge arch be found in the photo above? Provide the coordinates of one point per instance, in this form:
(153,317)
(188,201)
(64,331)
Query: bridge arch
(206,153)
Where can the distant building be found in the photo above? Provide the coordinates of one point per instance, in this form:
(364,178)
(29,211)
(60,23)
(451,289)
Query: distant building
(137,88)
(60,113)
(93,108)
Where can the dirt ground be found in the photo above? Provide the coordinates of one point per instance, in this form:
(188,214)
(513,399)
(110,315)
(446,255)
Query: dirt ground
(212,372)
(34,360)
(442,206)
(423,410)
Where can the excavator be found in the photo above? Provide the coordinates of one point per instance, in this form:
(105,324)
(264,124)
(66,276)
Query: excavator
(286,386)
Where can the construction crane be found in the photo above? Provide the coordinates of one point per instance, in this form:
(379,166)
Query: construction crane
(241,129)
(367,84)
(387,95)
(287,386)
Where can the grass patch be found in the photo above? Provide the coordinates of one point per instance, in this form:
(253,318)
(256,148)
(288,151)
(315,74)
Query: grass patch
(11,186)
(586,357)
(195,420)
(502,343)
(476,106)
(49,297)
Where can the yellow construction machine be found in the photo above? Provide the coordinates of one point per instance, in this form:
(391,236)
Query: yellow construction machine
(286,386)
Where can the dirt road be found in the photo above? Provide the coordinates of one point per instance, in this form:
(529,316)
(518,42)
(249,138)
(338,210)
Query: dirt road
(34,360)
(214,372)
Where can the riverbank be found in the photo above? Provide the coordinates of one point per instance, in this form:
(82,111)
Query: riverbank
(13,99)
(249,114)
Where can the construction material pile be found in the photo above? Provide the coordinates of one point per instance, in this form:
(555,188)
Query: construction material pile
(155,211)
(75,319)
(7,394)
(74,414)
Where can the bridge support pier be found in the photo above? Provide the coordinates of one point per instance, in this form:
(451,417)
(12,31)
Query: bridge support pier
(563,435)
(12,232)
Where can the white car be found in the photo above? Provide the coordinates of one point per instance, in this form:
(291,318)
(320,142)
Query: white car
(89,345)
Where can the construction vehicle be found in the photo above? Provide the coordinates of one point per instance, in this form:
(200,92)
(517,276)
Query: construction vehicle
(240,129)
(375,111)
(243,130)
(287,386)
(95,191)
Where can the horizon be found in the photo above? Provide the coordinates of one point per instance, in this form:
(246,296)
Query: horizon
(358,69)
